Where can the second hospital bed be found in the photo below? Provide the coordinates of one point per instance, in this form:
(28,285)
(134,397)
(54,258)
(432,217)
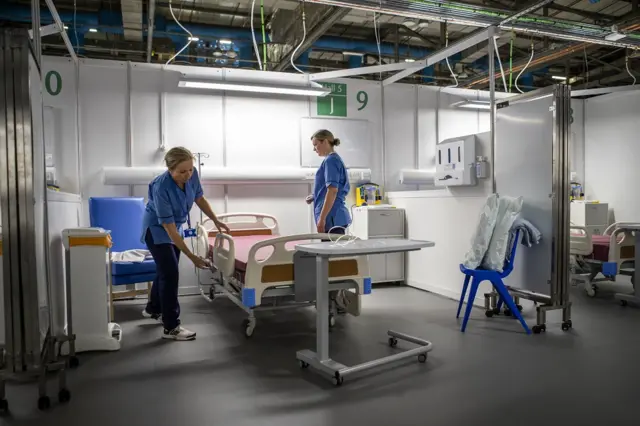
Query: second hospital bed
(255,267)
(609,254)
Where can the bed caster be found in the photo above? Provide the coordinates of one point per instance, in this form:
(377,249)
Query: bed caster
(591,291)
(303,364)
(44,403)
(393,342)
(537,329)
(489,313)
(422,358)
(212,293)
(74,362)
(64,396)
(4,406)
(507,312)
(338,380)
(624,303)
(566,326)
(332,320)
(248,327)
(519,307)
(496,311)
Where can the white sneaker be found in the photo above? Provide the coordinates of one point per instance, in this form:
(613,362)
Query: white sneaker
(155,317)
(179,333)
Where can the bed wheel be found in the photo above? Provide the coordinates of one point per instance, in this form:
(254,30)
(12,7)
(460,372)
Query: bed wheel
(248,326)
(591,290)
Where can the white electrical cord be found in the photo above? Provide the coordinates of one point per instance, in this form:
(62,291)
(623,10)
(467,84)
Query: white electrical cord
(185,30)
(304,36)
(449,65)
(377,34)
(523,69)
(347,234)
(504,79)
(629,71)
(253,36)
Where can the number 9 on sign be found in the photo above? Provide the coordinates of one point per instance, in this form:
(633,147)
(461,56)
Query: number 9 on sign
(362,99)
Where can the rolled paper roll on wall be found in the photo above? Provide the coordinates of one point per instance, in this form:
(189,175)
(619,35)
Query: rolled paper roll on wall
(417,177)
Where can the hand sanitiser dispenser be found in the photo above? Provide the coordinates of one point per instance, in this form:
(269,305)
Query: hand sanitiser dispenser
(456,162)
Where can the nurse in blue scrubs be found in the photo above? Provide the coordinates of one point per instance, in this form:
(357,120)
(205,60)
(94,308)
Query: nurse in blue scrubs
(171,196)
(331,186)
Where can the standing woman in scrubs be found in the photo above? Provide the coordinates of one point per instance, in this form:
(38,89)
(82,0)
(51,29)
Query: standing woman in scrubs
(331,186)
(171,196)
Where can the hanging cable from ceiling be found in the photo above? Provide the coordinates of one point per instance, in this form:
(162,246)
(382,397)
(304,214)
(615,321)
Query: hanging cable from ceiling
(513,36)
(626,60)
(504,79)
(446,44)
(304,36)
(189,40)
(377,33)
(525,67)
(586,65)
(264,37)
(253,35)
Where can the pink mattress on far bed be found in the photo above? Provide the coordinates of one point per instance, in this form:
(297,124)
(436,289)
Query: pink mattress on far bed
(243,245)
(601,245)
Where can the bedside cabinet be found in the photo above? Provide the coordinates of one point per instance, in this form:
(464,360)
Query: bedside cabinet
(376,223)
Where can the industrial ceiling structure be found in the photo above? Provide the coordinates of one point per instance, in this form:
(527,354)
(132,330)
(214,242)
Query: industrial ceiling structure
(588,43)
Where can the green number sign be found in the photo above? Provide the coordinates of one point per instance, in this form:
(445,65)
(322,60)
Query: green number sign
(335,103)
(362,99)
(58,83)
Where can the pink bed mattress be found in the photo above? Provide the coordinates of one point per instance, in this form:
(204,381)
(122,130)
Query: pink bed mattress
(601,245)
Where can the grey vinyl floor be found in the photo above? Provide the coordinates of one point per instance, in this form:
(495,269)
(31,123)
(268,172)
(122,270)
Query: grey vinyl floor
(493,374)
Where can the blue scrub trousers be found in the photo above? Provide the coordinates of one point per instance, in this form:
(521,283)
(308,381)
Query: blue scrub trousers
(163,299)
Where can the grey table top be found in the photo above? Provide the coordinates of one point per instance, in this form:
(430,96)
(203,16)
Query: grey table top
(364,247)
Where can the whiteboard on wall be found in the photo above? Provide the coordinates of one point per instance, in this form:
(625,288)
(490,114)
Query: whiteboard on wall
(355,140)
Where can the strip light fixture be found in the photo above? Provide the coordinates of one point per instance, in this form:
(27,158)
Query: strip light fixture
(559,77)
(472,105)
(255,88)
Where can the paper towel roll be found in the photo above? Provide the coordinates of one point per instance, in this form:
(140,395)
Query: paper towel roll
(417,177)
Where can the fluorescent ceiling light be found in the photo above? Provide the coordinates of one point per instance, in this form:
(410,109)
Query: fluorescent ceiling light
(93,30)
(66,28)
(559,77)
(194,39)
(472,104)
(248,87)
(614,36)
(353,54)
(409,60)
(225,41)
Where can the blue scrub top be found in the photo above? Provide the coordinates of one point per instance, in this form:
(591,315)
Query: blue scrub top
(332,172)
(169,204)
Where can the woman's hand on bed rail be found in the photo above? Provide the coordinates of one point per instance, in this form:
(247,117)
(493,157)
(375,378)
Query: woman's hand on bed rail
(223,228)
(200,262)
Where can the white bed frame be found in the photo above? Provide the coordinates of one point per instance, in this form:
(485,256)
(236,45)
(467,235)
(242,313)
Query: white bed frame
(582,246)
(223,263)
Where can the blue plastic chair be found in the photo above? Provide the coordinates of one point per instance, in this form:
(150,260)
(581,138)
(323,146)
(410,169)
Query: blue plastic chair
(476,276)
(123,217)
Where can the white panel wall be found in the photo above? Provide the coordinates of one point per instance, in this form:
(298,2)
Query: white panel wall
(62,105)
(612,150)
(236,131)
(400,132)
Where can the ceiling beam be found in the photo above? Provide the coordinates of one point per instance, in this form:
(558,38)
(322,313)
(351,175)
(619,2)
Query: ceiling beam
(595,16)
(331,16)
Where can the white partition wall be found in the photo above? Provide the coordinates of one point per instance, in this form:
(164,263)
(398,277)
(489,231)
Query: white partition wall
(128,111)
(612,147)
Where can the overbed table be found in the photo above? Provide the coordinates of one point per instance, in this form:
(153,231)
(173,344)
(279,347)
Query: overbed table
(319,359)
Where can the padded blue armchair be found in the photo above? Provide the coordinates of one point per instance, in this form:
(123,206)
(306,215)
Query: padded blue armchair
(123,217)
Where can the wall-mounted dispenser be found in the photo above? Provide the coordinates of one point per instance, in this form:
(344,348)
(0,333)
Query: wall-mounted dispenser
(456,162)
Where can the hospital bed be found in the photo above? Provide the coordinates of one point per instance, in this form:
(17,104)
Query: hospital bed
(254,267)
(610,254)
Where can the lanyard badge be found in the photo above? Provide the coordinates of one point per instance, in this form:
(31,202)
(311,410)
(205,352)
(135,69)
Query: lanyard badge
(189,232)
